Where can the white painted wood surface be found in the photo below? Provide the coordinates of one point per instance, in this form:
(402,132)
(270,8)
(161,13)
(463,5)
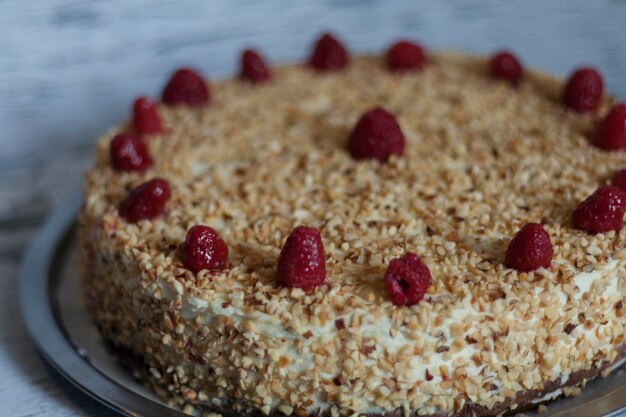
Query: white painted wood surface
(69,69)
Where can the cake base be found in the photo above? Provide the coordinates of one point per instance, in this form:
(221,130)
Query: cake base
(524,400)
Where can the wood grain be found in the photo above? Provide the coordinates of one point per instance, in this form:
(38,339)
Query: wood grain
(70,68)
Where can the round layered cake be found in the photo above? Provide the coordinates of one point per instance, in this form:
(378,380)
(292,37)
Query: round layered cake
(411,234)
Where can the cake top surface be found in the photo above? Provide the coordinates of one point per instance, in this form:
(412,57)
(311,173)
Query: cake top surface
(482,159)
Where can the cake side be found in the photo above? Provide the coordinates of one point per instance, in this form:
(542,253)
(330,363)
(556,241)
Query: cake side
(481,160)
(185,374)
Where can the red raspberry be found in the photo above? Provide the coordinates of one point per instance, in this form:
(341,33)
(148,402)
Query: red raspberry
(529,249)
(253,67)
(204,249)
(619,179)
(407,279)
(329,54)
(601,211)
(506,66)
(583,90)
(377,135)
(147,201)
(186,87)
(611,133)
(146,118)
(405,55)
(302,262)
(129,153)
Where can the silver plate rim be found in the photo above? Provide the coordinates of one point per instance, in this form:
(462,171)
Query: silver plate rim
(47,333)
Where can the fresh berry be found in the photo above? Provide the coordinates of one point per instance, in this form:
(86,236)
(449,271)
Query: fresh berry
(329,54)
(407,279)
(129,153)
(253,67)
(405,55)
(146,118)
(584,90)
(506,66)
(611,133)
(529,249)
(302,263)
(377,135)
(147,201)
(186,87)
(619,179)
(204,249)
(601,211)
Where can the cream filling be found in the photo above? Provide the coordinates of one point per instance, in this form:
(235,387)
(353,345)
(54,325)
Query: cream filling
(585,280)
(549,396)
(303,360)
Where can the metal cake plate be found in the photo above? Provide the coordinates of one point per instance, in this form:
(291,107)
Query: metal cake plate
(60,327)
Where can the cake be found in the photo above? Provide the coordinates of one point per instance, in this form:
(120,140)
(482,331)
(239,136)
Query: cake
(407,234)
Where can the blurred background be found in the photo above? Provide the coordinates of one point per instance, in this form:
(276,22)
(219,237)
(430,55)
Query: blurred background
(71,68)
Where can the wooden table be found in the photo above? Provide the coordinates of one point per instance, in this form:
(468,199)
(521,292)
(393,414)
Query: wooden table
(69,69)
